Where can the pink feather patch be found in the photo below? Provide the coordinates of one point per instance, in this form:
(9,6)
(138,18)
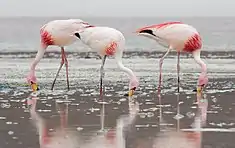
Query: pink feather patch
(46,38)
(111,49)
(193,43)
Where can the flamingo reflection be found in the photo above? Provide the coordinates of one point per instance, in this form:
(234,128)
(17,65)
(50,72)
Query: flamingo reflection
(115,137)
(61,137)
(181,138)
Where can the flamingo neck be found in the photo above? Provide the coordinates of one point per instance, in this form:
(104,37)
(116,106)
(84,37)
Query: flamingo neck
(38,57)
(126,70)
(41,127)
(199,61)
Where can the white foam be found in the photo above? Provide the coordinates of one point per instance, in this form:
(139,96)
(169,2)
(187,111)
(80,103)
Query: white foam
(210,130)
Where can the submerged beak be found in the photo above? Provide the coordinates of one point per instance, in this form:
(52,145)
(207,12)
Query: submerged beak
(34,86)
(199,89)
(131,92)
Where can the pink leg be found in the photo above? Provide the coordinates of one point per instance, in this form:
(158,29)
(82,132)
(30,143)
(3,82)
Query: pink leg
(61,64)
(160,70)
(63,119)
(45,136)
(40,124)
(67,68)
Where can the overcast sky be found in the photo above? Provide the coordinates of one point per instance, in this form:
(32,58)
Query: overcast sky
(117,8)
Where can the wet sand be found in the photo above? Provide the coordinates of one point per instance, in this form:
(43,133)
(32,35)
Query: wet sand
(17,129)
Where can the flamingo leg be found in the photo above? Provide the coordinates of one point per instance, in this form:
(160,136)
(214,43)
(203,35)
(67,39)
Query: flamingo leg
(160,69)
(67,67)
(61,64)
(63,118)
(178,71)
(40,123)
(101,77)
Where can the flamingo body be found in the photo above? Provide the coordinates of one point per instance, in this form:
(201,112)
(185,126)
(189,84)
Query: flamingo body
(60,32)
(107,41)
(103,40)
(180,36)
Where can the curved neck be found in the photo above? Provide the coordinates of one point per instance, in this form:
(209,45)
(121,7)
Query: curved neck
(38,57)
(40,125)
(199,61)
(125,69)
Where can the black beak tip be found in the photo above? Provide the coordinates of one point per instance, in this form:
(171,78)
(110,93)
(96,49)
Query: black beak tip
(38,89)
(147,31)
(125,95)
(195,90)
(77,35)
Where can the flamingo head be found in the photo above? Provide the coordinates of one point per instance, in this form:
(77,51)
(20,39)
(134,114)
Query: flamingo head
(86,25)
(149,32)
(32,81)
(134,83)
(152,31)
(80,24)
(202,80)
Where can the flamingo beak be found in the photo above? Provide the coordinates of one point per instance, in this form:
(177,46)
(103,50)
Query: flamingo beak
(142,29)
(137,31)
(199,89)
(34,86)
(131,92)
(145,31)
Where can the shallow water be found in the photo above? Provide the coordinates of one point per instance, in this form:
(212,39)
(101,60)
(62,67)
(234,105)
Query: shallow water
(73,118)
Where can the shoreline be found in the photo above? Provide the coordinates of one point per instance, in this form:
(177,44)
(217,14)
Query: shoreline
(126,54)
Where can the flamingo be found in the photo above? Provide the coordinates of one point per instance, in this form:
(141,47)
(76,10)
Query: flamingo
(180,37)
(57,33)
(108,41)
(60,137)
